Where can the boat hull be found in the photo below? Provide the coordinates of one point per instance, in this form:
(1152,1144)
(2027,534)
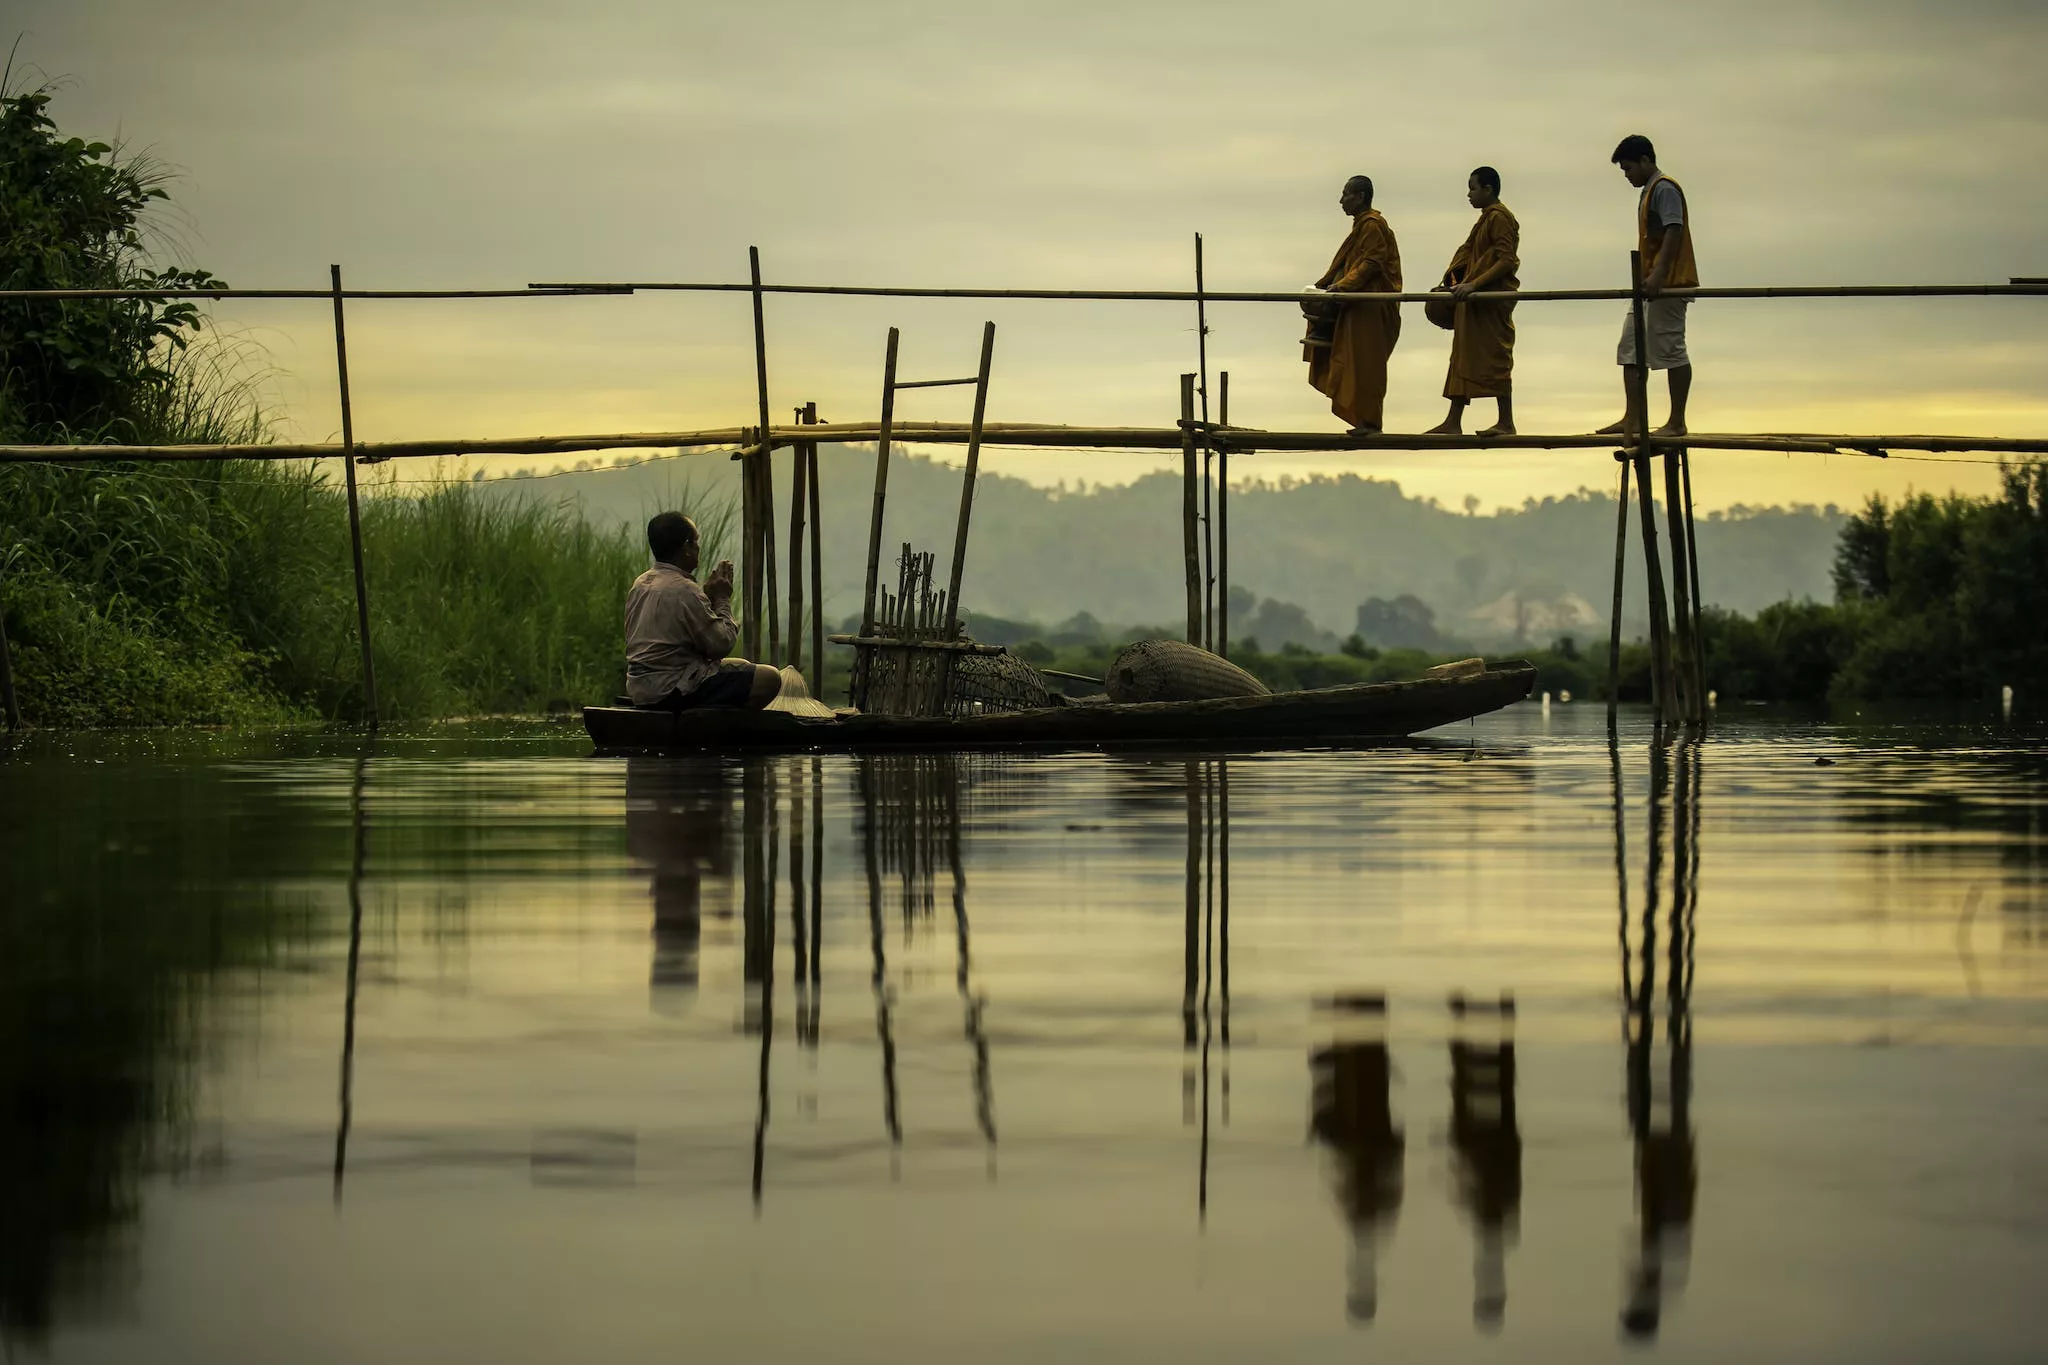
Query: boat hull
(1324,716)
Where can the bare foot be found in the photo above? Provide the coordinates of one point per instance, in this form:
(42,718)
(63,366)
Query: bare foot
(1613,428)
(1446,428)
(1363,431)
(1499,429)
(1670,429)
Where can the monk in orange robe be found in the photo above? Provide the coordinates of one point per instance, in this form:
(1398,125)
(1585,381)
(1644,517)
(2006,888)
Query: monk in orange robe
(1351,369)
(1483,335)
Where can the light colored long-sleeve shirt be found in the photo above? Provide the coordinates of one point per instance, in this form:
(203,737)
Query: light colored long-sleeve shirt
(675,634)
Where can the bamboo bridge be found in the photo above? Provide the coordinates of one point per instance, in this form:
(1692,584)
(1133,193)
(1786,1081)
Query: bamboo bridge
(1678,688)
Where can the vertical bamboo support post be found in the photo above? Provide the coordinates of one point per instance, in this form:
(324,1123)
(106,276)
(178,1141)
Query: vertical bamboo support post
(796,553)
(810,456)
(355,515)
(770,591)
(8,702)
(1692,557)
(1223,522)
(750,576)
(1190,548)
(988,348)
(764,518)
(1653,575)
(881,497)
(1614,619)
(1208,452)
(1689,707)
(1653,569)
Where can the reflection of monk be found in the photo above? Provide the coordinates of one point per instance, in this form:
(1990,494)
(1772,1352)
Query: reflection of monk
(1349,343)
(677,823)
(1353,1117)
(1488,1145)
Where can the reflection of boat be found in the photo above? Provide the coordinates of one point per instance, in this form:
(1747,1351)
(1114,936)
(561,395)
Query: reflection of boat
(1324,715)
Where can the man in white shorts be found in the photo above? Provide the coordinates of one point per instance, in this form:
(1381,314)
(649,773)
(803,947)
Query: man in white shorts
(1664,236)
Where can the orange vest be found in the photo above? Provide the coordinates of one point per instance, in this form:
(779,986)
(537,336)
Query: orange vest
(1685,273)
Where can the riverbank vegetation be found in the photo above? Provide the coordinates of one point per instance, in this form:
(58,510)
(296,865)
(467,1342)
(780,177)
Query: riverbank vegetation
(1936,599)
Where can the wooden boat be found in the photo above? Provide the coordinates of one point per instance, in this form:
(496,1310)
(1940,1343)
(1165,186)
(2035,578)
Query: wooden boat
(1327,715)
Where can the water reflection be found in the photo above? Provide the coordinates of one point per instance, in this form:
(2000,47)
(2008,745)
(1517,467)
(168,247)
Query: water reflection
(679,827)
(109,956)
(1206,928)
(1486,1140)
(637,997)
(358,855)
(1660,1099)
(1352,1115)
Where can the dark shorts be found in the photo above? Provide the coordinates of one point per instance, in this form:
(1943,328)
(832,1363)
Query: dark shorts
(729,686)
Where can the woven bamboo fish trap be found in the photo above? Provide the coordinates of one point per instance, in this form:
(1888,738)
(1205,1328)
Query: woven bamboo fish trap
(1172,670)
(912,666)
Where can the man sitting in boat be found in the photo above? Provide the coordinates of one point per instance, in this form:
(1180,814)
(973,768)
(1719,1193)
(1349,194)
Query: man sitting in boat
(677,632)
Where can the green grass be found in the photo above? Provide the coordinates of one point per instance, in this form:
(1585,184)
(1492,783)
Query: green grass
(223,594)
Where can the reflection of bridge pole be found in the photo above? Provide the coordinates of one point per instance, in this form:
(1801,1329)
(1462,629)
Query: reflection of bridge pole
(879,981)
(1223,895)
(1191,943)
(359,838)
(799,900)
(817,861)
(1209,776)
(972,1005)
(762,834)
(1667,1174)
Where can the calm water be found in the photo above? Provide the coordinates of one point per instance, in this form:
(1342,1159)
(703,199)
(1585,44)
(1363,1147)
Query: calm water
(478,1047)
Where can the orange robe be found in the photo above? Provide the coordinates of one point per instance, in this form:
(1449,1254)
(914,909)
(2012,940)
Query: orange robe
(1352,369)
(1483,340)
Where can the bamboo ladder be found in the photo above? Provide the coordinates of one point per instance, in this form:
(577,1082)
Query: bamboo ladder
(916,631)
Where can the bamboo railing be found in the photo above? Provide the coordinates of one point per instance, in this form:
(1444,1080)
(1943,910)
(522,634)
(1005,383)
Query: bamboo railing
(1678,687)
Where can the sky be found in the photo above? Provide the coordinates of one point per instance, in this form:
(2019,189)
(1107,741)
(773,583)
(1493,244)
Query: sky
(489,143)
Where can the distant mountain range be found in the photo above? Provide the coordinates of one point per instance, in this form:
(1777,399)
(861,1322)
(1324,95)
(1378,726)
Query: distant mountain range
(1327,544)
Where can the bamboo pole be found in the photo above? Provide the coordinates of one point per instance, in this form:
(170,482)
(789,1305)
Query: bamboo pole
(766,459)
(2018,287)
(750,577)
(1614,619)
(1208,456)
(764,516)
(1810,291)
(867,610)
(1189,549)
(1690,705)
(796,556)
(529,292)
(1639,382)
(1223,528)
(8,701)
(1032,434)
(809,450)
(988,347)
(355,515)
(1692,555)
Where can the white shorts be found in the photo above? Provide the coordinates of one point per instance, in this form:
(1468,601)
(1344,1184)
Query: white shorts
(1664,322)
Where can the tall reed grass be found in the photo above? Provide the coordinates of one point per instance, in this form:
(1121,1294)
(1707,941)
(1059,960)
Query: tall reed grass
(223,594)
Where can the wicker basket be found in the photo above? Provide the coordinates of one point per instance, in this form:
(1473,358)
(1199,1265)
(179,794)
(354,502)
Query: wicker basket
(1171,670)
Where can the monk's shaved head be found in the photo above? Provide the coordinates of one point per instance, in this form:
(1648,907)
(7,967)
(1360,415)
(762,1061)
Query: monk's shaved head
(1362,184)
